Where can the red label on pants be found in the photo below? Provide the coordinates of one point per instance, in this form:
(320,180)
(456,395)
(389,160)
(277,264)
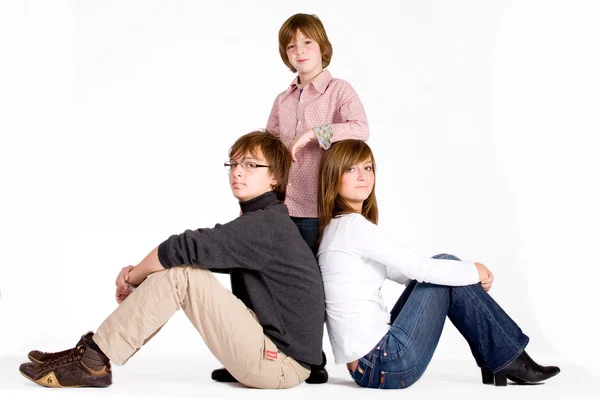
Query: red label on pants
(272,355)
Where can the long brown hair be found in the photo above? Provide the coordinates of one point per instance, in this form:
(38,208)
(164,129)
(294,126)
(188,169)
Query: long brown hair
(341,156)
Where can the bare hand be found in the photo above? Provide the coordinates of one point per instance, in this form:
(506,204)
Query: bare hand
(300,142)
(121,295)
(486,278)
(122,288)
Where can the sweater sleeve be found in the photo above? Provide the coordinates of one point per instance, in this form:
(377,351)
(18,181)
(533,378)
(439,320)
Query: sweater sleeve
(370,241)
(236,244)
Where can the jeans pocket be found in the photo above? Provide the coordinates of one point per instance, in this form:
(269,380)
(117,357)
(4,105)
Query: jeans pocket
(397,380)
(362,373)
(396,341)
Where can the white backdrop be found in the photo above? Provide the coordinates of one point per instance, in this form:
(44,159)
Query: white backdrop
(116,117)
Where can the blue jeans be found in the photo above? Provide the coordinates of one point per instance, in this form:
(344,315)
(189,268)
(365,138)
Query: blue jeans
(402,355)
(309,229)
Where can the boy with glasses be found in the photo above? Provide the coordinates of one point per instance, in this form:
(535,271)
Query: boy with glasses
(257,331)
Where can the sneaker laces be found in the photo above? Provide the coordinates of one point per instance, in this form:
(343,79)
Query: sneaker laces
(74,355)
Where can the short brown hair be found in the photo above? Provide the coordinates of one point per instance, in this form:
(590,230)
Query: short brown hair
(335,161)
(275,153)
(312,27)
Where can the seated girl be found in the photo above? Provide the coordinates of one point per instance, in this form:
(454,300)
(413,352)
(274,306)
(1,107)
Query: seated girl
(392,350)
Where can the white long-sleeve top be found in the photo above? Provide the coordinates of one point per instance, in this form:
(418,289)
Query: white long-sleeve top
(356,257)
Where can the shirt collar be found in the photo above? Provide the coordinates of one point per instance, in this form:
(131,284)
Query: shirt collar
(319,82)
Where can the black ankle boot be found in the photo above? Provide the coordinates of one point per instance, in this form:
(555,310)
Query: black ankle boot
(318,373)
(222,375)
(522,370)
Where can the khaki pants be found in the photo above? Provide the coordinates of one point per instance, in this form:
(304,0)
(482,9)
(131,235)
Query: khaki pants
(229,329)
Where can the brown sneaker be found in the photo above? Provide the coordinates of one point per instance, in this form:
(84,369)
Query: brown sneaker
(76,367)
(39,357)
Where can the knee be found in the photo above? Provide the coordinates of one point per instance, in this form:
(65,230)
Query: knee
(170,273)
(444,256)
(173,275)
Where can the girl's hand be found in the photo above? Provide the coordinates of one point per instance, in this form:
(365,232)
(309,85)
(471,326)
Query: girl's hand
(301,141)
(486,278)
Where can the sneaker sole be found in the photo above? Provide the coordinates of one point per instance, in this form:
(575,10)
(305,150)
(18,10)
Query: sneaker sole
(49,380)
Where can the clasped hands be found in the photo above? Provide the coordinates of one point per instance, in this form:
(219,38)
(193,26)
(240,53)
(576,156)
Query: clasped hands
(123,284)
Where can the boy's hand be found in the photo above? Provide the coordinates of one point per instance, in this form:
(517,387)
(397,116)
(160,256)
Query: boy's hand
(301,141)
(121,283)
(121,295)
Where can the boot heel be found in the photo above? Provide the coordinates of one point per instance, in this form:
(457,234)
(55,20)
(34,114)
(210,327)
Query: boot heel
(487,376)
(500,378)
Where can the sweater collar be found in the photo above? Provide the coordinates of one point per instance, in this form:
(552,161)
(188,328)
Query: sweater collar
(258,203)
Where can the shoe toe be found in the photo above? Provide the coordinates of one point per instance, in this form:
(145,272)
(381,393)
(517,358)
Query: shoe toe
(222,375)
(29,370)
(318,376)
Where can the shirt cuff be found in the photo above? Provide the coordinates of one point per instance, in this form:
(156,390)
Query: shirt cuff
(324,134)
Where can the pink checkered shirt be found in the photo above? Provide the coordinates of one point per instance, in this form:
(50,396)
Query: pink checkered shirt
(332,109)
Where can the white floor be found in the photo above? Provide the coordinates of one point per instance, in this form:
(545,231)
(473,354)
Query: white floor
(174,378)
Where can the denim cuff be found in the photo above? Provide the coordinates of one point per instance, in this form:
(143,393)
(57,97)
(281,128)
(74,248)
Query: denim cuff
(324,134)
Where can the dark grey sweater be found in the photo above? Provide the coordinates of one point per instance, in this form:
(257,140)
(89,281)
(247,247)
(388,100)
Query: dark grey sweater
(272,269)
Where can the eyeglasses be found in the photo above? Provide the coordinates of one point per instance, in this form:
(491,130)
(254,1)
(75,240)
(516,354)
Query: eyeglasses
(246,165)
